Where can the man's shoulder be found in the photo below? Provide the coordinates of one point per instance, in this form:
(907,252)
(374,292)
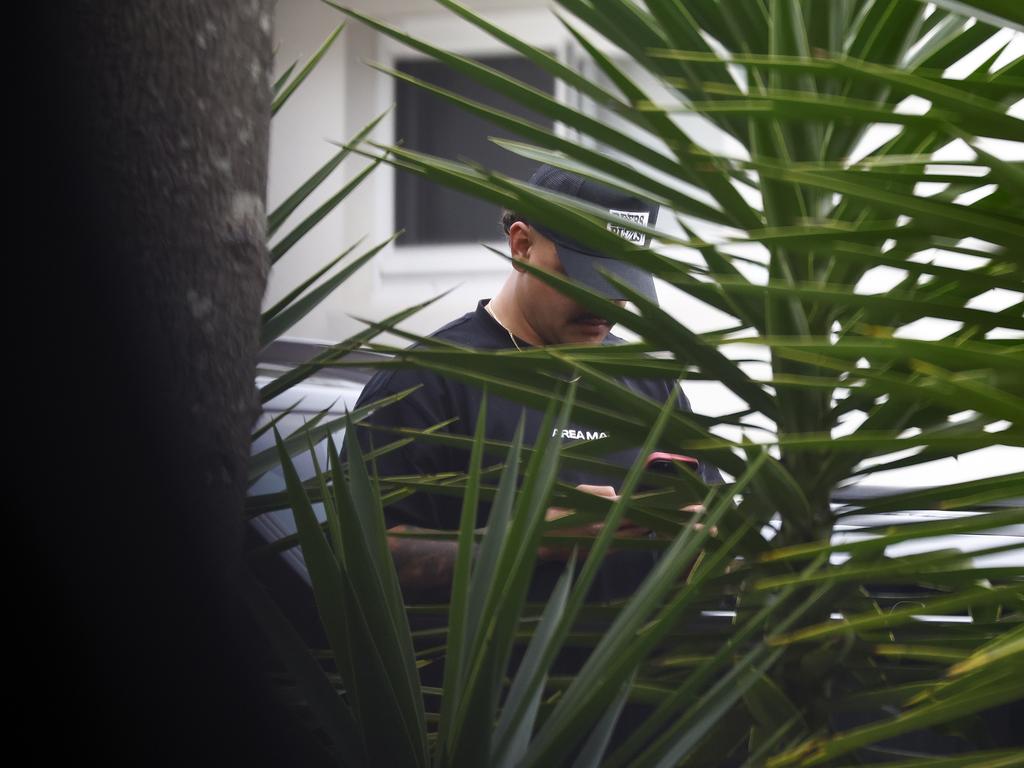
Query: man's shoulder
(463,331)
(656,388)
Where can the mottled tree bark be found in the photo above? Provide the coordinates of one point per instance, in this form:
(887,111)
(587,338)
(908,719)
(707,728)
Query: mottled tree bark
(158,116)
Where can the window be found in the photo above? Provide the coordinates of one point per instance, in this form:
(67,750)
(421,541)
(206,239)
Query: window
(434,214)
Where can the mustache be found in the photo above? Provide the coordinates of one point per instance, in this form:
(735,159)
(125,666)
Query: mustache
(589,317)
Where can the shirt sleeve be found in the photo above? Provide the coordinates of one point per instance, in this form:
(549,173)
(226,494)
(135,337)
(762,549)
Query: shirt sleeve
(418,410)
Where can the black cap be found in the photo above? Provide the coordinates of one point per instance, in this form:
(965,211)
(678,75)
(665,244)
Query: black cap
(583,264)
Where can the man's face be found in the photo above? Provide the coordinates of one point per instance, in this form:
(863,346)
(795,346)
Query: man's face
(555,318)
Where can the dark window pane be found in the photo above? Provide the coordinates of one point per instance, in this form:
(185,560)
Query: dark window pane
(428,212)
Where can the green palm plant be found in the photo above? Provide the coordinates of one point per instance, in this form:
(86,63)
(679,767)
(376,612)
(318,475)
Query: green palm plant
(826,658)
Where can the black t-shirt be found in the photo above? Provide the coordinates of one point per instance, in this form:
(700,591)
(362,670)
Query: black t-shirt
(440,398)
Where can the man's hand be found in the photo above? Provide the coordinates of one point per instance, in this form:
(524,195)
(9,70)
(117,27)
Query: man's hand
(626,529)
(698,509)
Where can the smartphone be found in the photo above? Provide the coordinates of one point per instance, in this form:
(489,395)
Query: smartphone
(666,462)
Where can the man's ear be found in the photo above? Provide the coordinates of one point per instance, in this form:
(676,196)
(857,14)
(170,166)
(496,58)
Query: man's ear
(520,238)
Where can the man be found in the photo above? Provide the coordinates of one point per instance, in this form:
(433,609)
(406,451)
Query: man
(526,312)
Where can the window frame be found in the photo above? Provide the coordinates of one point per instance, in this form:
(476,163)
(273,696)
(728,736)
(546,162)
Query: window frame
(460,37)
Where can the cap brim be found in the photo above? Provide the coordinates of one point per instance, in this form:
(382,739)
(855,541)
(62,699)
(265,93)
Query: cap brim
(586,269)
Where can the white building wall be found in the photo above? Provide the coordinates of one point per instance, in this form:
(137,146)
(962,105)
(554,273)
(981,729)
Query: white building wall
(337,100)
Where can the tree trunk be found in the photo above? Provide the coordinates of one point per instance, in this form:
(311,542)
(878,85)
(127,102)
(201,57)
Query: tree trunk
(153,207)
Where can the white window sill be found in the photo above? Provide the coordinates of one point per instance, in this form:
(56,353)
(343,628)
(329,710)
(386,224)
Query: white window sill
(453,258)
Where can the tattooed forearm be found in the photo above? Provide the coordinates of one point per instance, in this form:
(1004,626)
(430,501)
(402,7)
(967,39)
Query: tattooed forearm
(421,563)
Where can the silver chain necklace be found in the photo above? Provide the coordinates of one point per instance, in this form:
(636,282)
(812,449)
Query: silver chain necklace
(490,311)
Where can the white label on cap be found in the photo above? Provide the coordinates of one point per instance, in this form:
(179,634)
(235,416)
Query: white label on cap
(639,217)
